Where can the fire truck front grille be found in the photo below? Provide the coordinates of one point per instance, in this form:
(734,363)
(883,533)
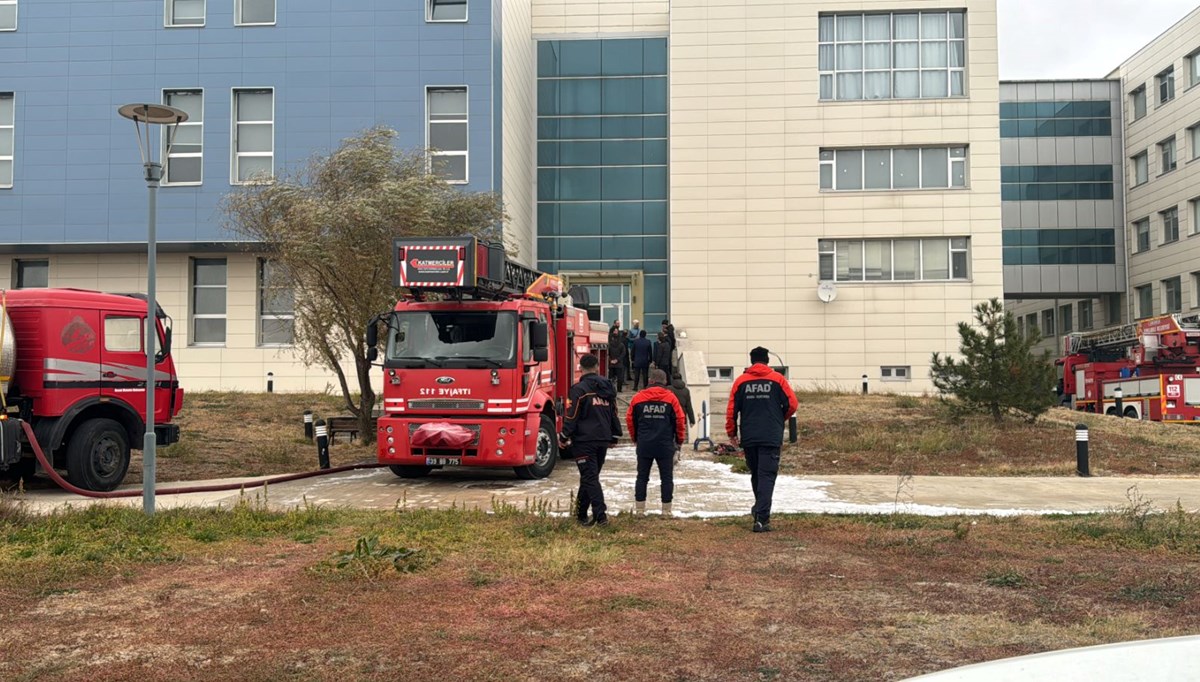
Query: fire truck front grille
(445,404)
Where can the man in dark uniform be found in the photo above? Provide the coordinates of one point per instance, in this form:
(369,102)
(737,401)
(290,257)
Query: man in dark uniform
(643,355)
(617,359)
(590,427)
(656,425)
(761,400)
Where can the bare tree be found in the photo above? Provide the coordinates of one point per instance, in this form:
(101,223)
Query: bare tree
(329,227)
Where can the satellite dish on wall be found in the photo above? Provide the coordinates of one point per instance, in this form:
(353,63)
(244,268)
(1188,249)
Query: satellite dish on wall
(827,292)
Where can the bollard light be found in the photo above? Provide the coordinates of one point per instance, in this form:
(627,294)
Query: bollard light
(1119,396)
(864,384)
(308,424)
(270,382)
(1082,466)
(322,444)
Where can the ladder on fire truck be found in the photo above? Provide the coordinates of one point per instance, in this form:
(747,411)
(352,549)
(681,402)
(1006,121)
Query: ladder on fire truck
(465,267)
(1126,335)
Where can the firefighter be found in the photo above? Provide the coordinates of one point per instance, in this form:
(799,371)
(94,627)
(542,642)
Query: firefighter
(760,403)
(657,427)
(590,427)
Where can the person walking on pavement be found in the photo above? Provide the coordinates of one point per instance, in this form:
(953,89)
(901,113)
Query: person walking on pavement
(617,359)
(662,353)
(680,389)
(669,330)
(759,404)
(655,421)
(591,426)
(643,353)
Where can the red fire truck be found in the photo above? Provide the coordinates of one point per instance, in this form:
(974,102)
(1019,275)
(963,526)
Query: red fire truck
(1152,362)
(72,364)
(479,355)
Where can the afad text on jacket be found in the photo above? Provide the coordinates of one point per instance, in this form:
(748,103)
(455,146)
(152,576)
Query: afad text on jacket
(761,400)
(656,422)
(591,411)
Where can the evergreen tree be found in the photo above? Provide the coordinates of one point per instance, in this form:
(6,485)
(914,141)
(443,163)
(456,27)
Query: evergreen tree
(999,371)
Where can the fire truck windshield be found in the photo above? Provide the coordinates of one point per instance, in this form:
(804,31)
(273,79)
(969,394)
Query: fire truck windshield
(452,337)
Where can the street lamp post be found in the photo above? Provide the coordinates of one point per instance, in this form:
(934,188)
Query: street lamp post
(145,116)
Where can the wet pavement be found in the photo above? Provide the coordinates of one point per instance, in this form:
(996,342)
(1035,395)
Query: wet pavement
(703,488)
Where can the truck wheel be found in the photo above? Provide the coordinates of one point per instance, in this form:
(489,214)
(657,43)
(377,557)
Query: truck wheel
(406,471)
(547,452)
(98,455)
(1131,413)
(1112,412)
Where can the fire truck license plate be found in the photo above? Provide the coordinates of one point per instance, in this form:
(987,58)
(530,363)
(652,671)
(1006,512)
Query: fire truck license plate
(442,461)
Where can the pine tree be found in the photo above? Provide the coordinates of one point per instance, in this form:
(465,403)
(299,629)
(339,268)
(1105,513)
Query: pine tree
(999,371)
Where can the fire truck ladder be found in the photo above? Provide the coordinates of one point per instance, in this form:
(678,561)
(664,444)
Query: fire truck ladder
(1121,336)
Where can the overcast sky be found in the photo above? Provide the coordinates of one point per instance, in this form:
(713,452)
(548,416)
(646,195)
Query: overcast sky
(1051,39)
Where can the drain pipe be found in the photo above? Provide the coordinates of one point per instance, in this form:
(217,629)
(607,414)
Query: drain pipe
(221,487)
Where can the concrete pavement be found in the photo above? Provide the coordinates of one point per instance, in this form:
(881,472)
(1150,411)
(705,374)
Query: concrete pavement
(703,489)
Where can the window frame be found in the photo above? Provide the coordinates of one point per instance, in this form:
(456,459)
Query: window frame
(827,257)
(1143,158)
(11,129)
(1192,62)
(1172,283)
(892,43)
(16,15)
(1136,96)
(193,315)
(827,158)
(234,154)
(19,265)
(261,264)
(166,132)
(1170,220)
(169,16)
(466,121)
(237,15)
(720,373)
(1145,294)
(1141,227)
(1066,321)
(1087,316)
(1049,320)
(1195,289)
(429,13)
(1193,135)
(1164,83)
(896,373)
(1163,147)
(1194,215)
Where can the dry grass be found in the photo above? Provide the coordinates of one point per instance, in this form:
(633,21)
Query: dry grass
(254,595)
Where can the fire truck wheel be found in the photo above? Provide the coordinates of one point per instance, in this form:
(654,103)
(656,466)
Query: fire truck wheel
(98,455)
(1131,413)
(410,471)
(547,452)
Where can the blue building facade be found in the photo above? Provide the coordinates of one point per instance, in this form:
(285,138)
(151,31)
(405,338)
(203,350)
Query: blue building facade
(323,70)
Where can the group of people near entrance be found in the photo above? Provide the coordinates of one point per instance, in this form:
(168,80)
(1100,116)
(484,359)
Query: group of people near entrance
(632,354)
(760,403)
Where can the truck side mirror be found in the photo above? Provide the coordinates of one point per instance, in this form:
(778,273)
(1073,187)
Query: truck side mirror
(539,337)
(541,354)
(372,354)
(373,333)
(166,346)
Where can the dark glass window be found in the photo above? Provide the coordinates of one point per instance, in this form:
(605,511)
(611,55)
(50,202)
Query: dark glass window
(1056,119)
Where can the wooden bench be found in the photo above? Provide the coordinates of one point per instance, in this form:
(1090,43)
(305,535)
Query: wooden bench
(342,424)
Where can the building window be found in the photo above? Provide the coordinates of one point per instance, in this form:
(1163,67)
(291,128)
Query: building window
(1194,140)
(185,13)
(1141,232)
(1193,68)
(1137,100)
(1166,149)
(1196,290)
(896,373)
(1170,218)
(893,169)
(253,136)
(8,119)
(185,162)
(1194,204)
(892,56)
(1077,246)
(1056,119)
(1141,169)
(31,274)
(208,300)
(1145,296)
(445,10)
(720,373)
(1112,309)
(1172,295)
(1086,318)
(894,260)
(276,306)
(255,12)
(1048,323)
(1056,183)
(447,133)
(1065,314)
(8,15)
(1031,324)
(1166,85)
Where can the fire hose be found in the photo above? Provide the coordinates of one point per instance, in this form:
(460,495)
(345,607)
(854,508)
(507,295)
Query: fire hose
(65,485)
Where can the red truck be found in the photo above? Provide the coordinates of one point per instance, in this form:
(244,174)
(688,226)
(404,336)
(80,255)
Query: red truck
(1153,362)
(478,358)
(73,366)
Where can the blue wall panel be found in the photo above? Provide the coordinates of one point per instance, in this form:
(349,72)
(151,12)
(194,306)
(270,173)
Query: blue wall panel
(77,175)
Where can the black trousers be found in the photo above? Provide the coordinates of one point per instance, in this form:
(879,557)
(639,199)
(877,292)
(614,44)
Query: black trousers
(763,462)
(590,461)
(666,474)
(616,374)
(641,374)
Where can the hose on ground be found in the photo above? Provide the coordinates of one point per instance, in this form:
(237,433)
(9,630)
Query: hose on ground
(66,485)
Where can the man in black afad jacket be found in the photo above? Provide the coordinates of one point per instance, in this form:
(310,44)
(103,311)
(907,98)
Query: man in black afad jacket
(760,403)
(591,426)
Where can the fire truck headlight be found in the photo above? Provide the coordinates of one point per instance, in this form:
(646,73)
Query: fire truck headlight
(391,441)
(389,429)
(391,451)
(499,441)
(499,451)
(503,431)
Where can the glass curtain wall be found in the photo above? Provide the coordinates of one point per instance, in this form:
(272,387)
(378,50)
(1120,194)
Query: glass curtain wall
(602,160)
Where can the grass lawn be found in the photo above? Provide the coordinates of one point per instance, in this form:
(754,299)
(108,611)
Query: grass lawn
(314,594)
